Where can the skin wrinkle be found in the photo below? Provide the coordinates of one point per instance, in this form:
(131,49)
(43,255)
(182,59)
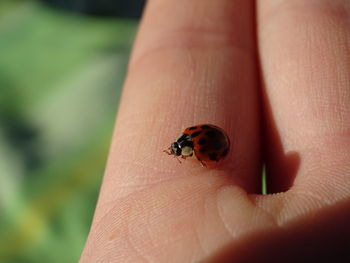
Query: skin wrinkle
(331,189)
(314,63)
(208,215)
(101,234)
(186,94)
(204,88)
(134,191)
(160,90)
(130,243)
(298,203)
(190,29)
(223,220)
(273,206)
(133,121)
(322,99)
(184,200)
(265,212)
(321,159)
(319,8)
(341,190)
(142,186)
(167,242)
(147,227)
(141,255)
(199,242)
(221,208)
(182,40)
(314,198)
(280,216)
(251,214)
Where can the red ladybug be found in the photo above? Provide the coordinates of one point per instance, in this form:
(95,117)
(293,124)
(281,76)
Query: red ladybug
(207,142)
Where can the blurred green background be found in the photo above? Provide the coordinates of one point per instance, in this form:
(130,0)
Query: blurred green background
(62,66)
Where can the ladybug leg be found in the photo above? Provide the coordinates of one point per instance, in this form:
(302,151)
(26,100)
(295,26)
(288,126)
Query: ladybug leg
(183,157)
(202,164)
(167,152)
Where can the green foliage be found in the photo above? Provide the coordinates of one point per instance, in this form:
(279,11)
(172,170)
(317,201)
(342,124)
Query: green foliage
(60,80)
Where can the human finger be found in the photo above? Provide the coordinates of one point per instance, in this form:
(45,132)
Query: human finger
(193,62)
(304,48)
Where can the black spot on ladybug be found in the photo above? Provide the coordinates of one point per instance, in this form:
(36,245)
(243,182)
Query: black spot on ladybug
(202,141)
(224,153)
(192,128)
(217,145)
(211,134)
(195,134)
(202,150)
(212,156)
(205,127)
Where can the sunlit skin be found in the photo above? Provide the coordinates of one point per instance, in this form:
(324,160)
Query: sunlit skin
(276,77)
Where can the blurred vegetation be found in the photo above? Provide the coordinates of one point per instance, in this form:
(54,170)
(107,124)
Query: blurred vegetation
(60,79)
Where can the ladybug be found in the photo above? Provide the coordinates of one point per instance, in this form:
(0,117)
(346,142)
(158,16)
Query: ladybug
(207,142)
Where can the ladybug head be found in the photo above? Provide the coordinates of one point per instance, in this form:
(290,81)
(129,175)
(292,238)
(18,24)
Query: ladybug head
(175,149)
(183,146)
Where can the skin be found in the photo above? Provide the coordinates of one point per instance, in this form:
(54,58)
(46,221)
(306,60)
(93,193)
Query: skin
(275,75)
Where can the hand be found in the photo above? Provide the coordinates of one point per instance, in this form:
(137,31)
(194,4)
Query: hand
(283,97)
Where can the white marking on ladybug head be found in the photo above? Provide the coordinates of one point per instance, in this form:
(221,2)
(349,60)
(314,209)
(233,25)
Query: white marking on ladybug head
(187,151)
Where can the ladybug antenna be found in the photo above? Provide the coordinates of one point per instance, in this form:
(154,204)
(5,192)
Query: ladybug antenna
(169,153)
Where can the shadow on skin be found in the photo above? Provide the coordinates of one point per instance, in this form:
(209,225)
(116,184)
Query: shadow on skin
(288,165)
(323,236)
(281,167)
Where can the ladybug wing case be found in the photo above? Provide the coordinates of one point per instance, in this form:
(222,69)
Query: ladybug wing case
(210,142)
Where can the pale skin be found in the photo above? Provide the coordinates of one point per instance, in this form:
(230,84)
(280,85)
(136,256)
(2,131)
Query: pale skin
(275,75)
